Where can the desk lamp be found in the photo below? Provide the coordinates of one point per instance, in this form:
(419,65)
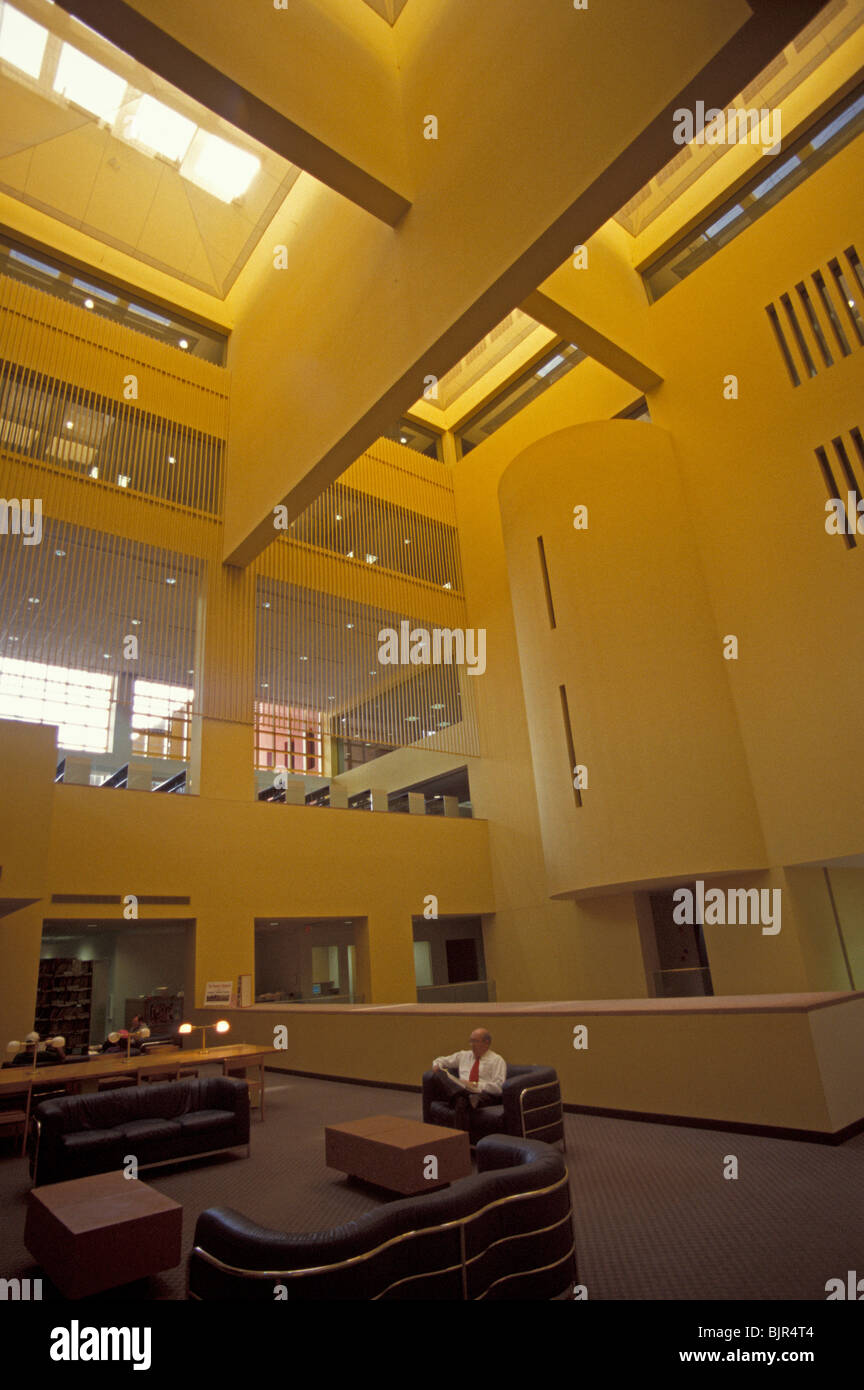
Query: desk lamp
(221,1027)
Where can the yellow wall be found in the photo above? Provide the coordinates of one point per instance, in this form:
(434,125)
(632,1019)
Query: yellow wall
(238,860)
(758,1066)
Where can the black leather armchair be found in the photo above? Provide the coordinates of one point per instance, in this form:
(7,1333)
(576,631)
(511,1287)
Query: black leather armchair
(504,1233)
(530,1106)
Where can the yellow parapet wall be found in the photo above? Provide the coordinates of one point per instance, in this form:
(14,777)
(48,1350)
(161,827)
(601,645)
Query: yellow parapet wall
(785,1061)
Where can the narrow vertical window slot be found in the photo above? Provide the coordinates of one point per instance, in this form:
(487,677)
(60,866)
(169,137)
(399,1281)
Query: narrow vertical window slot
(798,335)
(833,490)
(568,734)
(828,305)
(856,267)
(815,324)
(850,304)
(848,473)
(783,345)
(547,588)
(855,434)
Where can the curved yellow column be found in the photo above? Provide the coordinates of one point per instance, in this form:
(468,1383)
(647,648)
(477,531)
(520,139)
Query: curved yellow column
(617,640)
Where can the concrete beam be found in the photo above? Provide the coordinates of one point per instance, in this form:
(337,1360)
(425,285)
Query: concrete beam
(163,54)
(568,325)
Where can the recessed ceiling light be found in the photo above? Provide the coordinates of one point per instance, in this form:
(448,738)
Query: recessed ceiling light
(331,697)
(123,479)
(89,84)
(22,41)
(343,720)
(373,673)
(190,673)
(349,625)
(94,472)
(407,540)
(265,686)
(60,554)
(32,600)
(265,605)
(70,424)
(11,639)
(183,343)
(448,585)
(304,658)
(106,656)
(88,304)
(218,167)
(410,719)
(445,725)
(136,622)
(160,129)
(171,458)
(170,581)
(338,517)
(350,555)
(403,439)
(437,706)
(371,559)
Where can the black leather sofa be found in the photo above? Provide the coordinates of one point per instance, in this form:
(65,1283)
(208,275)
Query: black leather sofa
(530,1106)
(504,1233)
(78,1135)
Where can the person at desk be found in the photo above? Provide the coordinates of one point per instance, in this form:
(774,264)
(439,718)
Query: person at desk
(116,1043)
(52,1053)
(481,1071)
(27,1058)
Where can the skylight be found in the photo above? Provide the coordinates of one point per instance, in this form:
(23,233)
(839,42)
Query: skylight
(22,41)
(89,84)
(219,168)
(36,265)
(550,365)
(160,129)
(91,289)
(148,314)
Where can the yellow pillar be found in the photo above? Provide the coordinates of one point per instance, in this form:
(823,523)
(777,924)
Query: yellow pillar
(20,944)
(385,958)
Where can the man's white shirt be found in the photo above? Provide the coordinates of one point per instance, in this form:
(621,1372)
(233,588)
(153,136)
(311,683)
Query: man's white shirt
(493,1069)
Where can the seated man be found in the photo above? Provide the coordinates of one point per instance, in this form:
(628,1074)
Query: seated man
(53,1052)
(27,1058)
(482,1073)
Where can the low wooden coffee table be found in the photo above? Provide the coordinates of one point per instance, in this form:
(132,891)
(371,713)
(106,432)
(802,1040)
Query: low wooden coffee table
(95,1233)
(395,1153)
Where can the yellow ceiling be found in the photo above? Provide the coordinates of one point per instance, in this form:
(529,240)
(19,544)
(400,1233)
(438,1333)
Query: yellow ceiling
(388,9)
(62,160)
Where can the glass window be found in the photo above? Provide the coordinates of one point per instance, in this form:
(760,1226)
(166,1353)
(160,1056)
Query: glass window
(78,702)
(761,193)
(160,720)
(519,393)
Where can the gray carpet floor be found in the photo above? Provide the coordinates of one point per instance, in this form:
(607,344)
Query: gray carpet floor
(654,1216)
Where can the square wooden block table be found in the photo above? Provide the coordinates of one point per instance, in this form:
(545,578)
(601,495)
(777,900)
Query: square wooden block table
(395,1153)
(95,1233)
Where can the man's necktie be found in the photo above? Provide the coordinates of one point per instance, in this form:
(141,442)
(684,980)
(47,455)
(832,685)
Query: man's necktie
(475,1071)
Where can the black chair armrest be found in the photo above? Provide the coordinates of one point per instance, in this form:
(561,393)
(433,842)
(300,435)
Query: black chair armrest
(528,1089)
(432,1090)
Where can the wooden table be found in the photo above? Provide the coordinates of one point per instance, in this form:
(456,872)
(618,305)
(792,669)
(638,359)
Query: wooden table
(21,1080)
(395,1153)
(96,1233)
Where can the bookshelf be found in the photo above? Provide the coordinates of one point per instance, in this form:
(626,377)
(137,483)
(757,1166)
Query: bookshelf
(63,1000)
